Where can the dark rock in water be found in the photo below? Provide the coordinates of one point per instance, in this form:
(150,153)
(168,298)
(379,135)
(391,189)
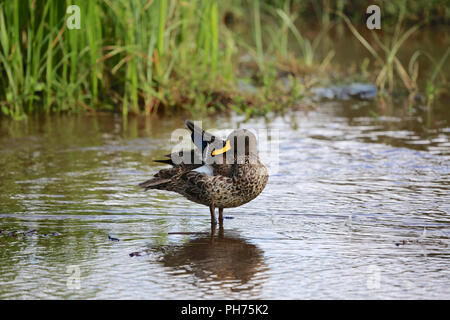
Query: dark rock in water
(112,239)
(137,254)
(355,90)
(362,91)
(29,233)
(11,234)
(324,93)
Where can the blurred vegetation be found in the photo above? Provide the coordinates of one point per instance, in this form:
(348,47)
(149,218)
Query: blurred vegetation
(153,56)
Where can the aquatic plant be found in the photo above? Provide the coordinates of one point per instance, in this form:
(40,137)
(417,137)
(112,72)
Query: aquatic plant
(165,55)
(123,55)
(392,67)
(389,61)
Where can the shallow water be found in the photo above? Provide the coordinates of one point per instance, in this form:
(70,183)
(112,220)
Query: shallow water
(343,214)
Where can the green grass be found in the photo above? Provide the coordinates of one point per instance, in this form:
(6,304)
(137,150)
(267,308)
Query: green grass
(124,56)
(150,56)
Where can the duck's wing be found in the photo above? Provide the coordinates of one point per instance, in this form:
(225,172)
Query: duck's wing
(200,187)
(182,161)
(190,158)
(162,178)
(200,137)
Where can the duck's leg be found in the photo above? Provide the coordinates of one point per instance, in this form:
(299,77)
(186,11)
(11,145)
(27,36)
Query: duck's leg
(220,233)
(213,216)
(221,216)
(213,233)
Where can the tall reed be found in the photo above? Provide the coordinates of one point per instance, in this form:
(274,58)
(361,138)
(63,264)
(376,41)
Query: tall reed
(147,55)
(123,57)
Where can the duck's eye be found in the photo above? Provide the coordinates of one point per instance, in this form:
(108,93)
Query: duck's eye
(223,150)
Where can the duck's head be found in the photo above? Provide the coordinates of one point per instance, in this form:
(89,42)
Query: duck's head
(240,142)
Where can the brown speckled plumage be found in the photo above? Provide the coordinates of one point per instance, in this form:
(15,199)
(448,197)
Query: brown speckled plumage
(230,185)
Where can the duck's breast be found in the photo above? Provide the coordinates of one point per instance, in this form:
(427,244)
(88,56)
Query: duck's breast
(249,182)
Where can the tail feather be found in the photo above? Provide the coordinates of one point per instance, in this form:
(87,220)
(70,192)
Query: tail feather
(154,183)
(165,161)
(192,159)
(182,157)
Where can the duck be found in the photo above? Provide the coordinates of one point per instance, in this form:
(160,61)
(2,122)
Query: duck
(216,173)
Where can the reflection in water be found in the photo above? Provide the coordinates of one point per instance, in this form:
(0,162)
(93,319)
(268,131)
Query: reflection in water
(220,257)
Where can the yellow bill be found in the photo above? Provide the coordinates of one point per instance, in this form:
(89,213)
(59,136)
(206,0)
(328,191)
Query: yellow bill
(223,150)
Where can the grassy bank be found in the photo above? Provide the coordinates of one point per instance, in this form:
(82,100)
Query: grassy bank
(165,55)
